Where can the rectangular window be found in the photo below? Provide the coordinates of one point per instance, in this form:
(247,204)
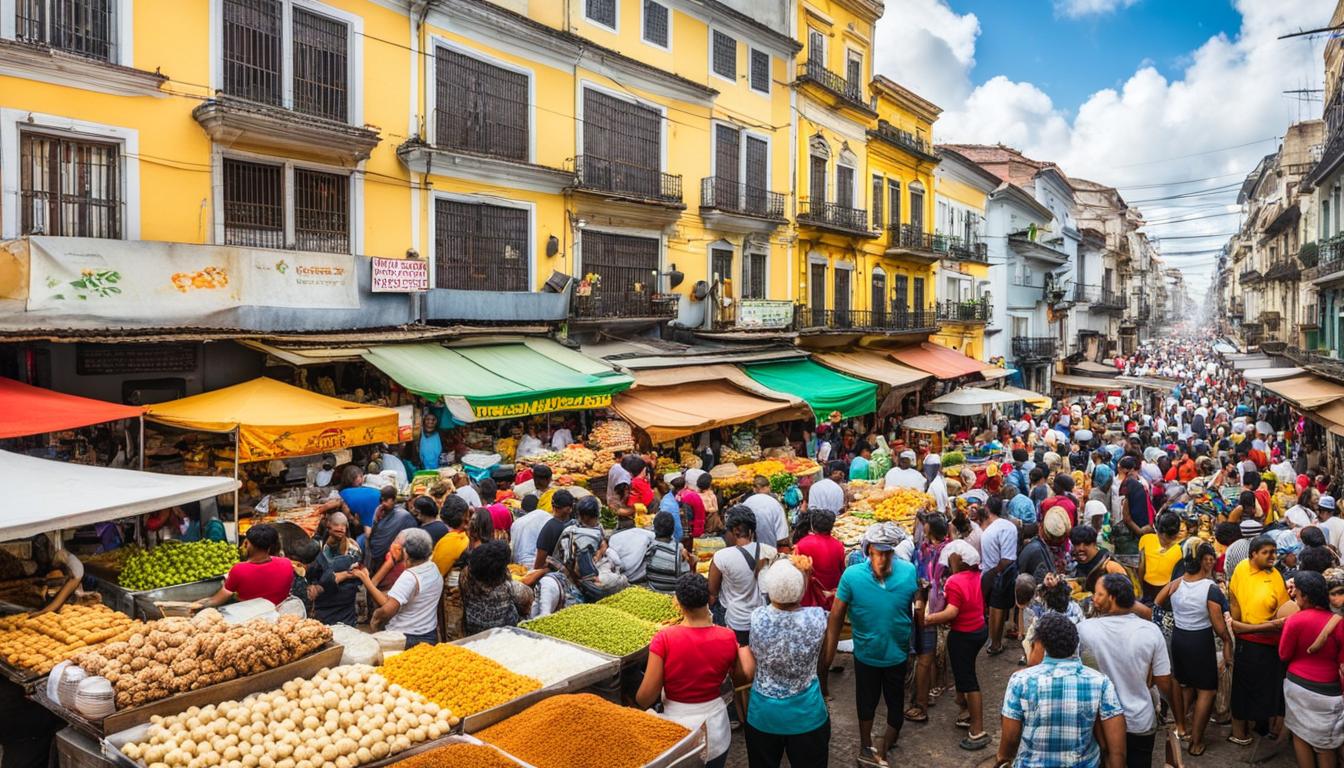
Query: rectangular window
(321,65)
(69,188)
(877,202)
(901,301)
(626,264)
(916,209)
(879,298)
(254,204)
(622,146)
(656,23)
(753,276)
(816,46)
(480,107)
(818,291)
(321,211)
(601,12)
(727,164)
(756,162)
(252,38)
(724,55)
(760,71)
(919,293)
(844,186)
(841,305)
(480,247)
(817,181)
(854,72)
(82,27)
(721,266)
(894,209)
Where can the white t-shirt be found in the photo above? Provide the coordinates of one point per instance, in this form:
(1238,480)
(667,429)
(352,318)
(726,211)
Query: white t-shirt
(467,492)
(904,478)
(628,547)
(561,438)
(1334,530)
(740,588)
(529,445)
(997,542)
(418,590)
(1125,648)
(524,532)
(552,595)
(1298,516)
(938,489)
(824,452)
(770,523)
(824,494)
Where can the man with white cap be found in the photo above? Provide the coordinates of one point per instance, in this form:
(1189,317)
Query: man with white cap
(933,468)
(1330,522)
(904,475)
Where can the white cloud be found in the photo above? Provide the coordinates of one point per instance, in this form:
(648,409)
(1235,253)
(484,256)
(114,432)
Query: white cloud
(1147,130)
(1075,9)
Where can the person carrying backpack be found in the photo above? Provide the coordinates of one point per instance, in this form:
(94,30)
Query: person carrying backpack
(583,553)
(665,560)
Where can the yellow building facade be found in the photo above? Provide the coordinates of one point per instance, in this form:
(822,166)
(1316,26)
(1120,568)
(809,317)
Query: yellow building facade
(961,190)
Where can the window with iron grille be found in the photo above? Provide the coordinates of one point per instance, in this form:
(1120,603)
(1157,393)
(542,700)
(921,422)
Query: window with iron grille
(817,181)
(321,211)
(841,305)
(901,300)
(82,27)
(320,65)
(877,202)
(622,261)
(854,72)
(725,55)
(622,145)
(919,293)
(252,39)
(254,204)
(894,197)
(844,186)
(721,266)
(818,290)
(879,297)
(601,11)
(655,23)
(480,107)
(480,247)
(917,209)
(69,188)
(753,276)
(760,71)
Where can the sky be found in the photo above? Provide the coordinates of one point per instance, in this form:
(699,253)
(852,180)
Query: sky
(1155,97)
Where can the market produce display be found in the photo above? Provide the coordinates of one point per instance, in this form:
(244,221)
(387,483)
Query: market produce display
(342,717)
(38,643)
(457,678)
(643,736)
(177,562)
(458,756)
(597,627)
(577,464)
(644,604)
(612,434)
(849,529)
(901,506)
(734,479)
(546,660)
(171,656)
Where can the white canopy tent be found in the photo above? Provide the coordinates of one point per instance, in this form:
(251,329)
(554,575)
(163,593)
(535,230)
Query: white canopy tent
(45,495)
(1257,375)
(971,401)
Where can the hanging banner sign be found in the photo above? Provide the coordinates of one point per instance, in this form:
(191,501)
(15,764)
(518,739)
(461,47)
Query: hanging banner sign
(764,313)
(399,275)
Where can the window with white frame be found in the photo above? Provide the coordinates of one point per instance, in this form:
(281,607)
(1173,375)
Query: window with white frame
(854,71)
(760,71)
(741,173)
(723,54)
(83,27)
(657,24)
(313,79)
(276,205)
(753,276)
(816,46)
(69,187)
(600,12)
(480,107)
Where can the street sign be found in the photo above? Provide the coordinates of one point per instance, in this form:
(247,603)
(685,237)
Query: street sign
(399,275)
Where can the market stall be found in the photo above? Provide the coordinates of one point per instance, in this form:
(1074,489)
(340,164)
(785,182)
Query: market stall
(897,380)
(664,414)
(940,362)
(1070,385)
(26,410)
(929,427)
(1306,392)
(1261,375)
(824,390)
(972,401)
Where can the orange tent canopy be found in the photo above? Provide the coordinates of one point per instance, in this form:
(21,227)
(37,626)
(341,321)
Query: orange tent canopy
(28,410)
(940,361)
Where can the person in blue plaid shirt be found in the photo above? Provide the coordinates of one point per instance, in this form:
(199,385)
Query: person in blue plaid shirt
(1049,710)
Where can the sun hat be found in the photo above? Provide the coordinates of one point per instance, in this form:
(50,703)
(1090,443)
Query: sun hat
(969,556)
(1326,501)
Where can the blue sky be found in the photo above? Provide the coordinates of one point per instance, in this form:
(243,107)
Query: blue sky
(1026,40)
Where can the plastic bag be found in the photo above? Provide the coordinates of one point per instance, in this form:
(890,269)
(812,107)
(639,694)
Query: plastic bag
(360,648)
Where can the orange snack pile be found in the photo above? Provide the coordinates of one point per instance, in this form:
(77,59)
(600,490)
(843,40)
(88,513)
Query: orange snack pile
(461,680)
(643,736)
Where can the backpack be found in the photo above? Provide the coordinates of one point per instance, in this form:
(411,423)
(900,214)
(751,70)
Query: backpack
(663,565)
(595,577)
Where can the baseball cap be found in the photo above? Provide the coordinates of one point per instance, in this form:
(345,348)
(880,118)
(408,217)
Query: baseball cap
(959,547)
(884,536)
(908,455)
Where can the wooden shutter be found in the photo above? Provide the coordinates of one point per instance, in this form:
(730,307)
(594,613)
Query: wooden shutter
(817,183)
(879,298)
(757,171)
(841,300)
(727,156)
(844,186)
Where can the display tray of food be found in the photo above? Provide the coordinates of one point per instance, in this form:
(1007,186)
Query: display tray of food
(476,688)
(172,664)
(644,603)
(555,662)
(143,604)
(646,741)
(31,645)
(601,628)
(344,716)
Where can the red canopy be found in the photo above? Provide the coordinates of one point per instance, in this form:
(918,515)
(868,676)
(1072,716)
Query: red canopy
(942,362)
(29,410)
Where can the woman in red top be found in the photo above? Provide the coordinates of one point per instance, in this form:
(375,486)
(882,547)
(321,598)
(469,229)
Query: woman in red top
(828,558)
(1314,711)
(260,575)
(688,662)
(965,615)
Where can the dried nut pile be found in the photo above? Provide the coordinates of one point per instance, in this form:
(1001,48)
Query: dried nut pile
(341,718)
(454,677)
(644,604)
(458,756)
(175,655)
(597,627)
(546,660)
(548,734)
(38,643)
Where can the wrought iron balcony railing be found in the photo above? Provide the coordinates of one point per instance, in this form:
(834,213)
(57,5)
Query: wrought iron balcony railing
(617,304)
(1035,347)
(835,216)
(1329,259)
(913,238)
(894,320)
(904,139)
(972,311)
(961,249)
(814,71)
(730,196)
(613,176)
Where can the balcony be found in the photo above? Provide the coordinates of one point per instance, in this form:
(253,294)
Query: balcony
(971,311)
(849,93)
(1099,297)
(894,321)
(1287,270)
(1023,245)
(906,241)
(1270,319)
(617,304)
(727,204)
(462,148)
(1249,276)
(1329,260)
(626,180)
(960,249)
(1234,309)
(1035,348)
(904,140)
(230,120)
(835,217)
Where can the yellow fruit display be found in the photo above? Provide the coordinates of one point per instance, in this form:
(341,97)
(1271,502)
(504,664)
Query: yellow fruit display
(902,506)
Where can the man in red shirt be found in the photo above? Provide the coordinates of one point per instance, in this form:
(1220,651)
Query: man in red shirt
(828,558)
(260,575)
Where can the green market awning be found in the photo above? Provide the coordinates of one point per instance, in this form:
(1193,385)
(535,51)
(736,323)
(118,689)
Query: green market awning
(500,381)
(823,389)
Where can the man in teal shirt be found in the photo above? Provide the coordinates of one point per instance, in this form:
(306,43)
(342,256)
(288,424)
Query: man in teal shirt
(858,468)
(878,596)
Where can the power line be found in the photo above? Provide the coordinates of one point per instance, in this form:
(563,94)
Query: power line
(1198,154)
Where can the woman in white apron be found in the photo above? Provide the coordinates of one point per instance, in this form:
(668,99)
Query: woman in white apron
(687,665)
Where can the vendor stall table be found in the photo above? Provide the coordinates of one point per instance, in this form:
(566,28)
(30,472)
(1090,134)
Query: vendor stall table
(142,604)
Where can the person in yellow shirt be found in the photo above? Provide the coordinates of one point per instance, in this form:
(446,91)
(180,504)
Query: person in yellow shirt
(453,543)
(1256,591)
(541,478)
(1159,554)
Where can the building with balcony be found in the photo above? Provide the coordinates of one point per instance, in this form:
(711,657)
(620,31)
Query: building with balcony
(961,196)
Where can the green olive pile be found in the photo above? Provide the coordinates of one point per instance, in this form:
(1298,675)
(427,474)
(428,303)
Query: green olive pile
(644,604)
(597,627)
(177,562)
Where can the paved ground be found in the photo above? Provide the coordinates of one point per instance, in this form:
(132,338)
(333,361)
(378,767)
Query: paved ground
(935,743)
